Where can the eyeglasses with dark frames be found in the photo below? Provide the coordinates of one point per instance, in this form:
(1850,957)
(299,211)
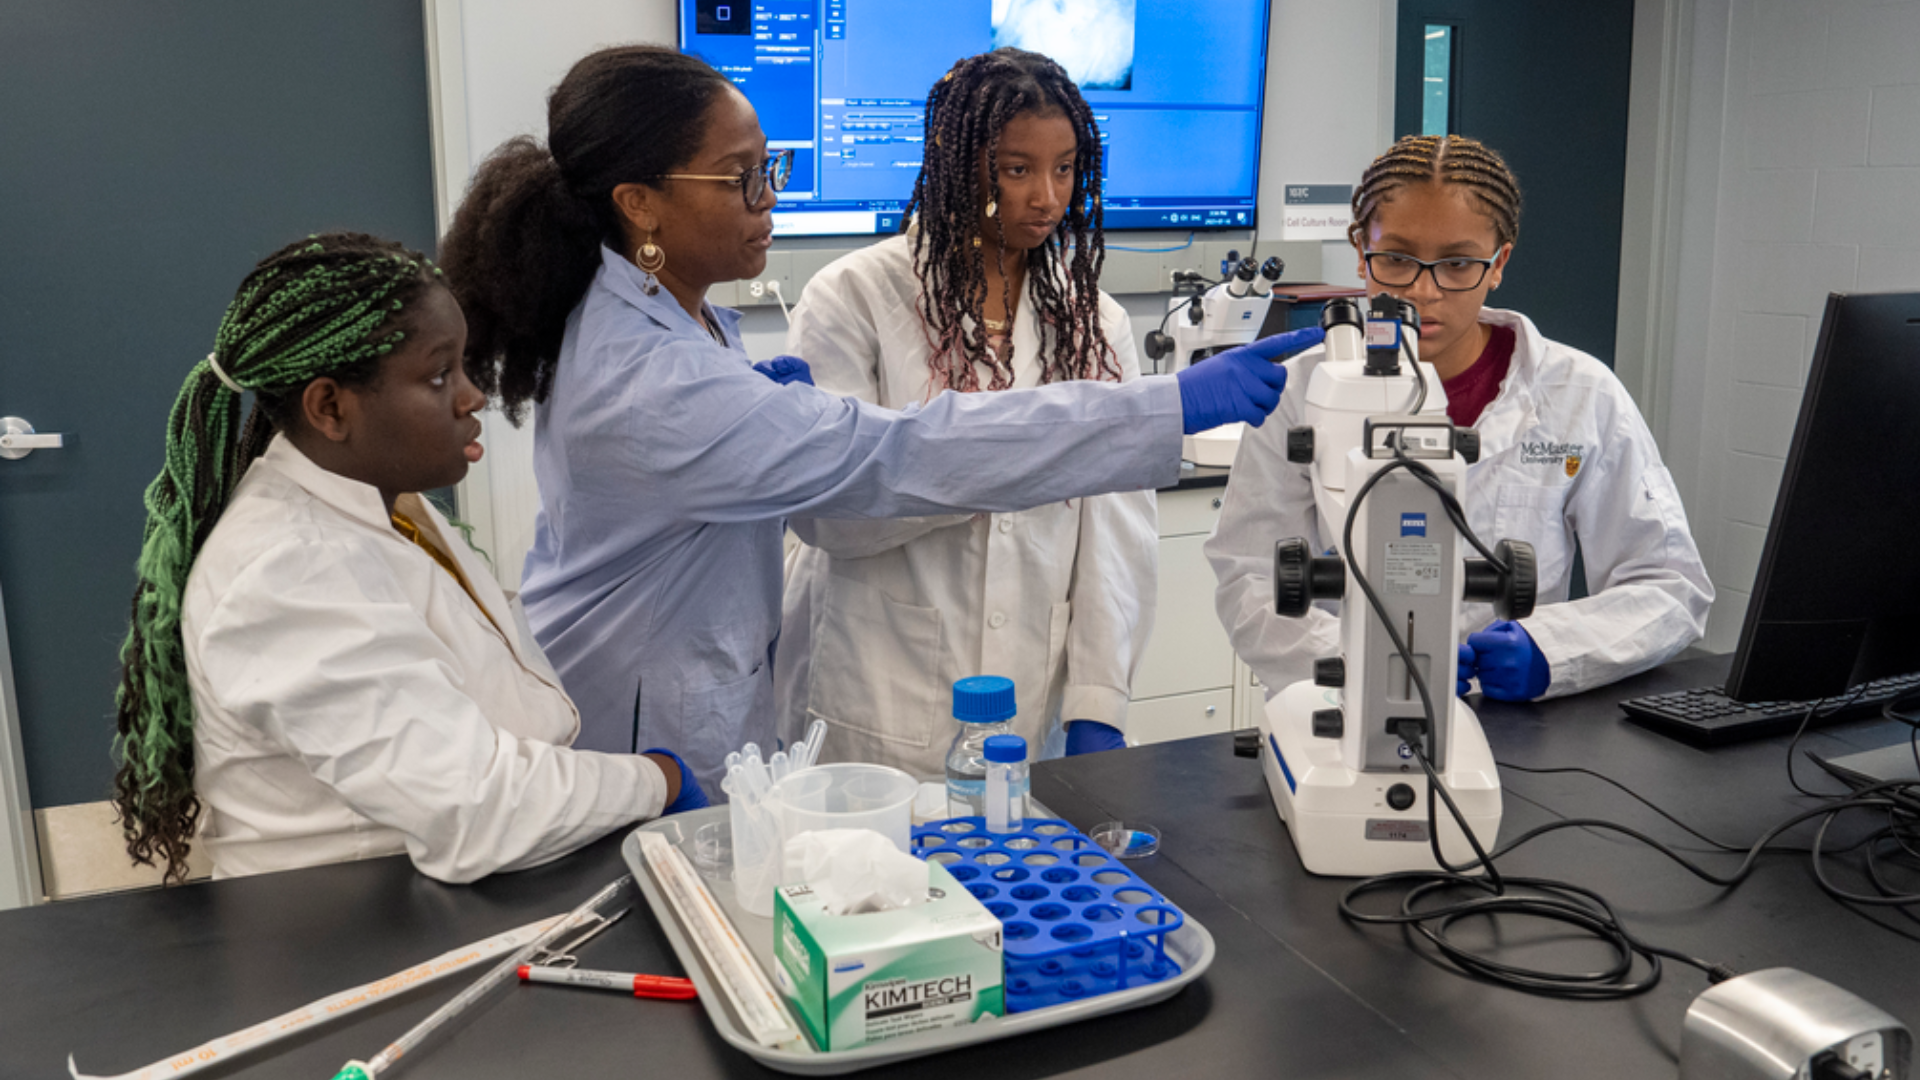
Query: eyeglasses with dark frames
(1458,273)
(754,180)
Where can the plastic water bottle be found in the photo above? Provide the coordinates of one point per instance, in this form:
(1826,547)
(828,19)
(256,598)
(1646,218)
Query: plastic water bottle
(984,705)
(1007,783)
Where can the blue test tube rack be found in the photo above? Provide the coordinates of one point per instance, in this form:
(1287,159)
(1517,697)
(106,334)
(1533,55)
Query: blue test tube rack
(1075,922)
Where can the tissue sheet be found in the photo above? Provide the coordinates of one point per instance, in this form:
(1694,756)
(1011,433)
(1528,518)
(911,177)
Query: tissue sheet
(854,871)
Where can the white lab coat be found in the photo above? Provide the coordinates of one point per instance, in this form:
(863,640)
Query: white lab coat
(1563,453)
(882,616)
(352,701)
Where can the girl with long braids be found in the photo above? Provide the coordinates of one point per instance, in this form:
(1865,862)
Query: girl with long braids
(666,464)
(318,667)
(1566,462)
(992,286)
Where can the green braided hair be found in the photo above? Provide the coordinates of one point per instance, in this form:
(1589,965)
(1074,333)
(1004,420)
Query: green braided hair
(330,305)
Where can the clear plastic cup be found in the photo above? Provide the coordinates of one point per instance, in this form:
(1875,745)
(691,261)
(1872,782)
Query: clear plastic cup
(847,796)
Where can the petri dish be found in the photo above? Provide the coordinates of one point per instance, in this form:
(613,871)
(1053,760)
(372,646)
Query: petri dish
(1126,839)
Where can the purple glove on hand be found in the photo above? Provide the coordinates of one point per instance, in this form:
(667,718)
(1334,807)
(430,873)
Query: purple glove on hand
(1510,666)
(786,369)
(1091,737)
(1242,384)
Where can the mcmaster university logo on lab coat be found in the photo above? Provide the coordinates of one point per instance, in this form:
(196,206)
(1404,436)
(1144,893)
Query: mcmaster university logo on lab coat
(1553,453)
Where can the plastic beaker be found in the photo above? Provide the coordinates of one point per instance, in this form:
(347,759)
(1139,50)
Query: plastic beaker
(846,796)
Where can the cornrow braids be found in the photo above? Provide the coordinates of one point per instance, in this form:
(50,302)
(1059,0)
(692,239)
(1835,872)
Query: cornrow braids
(966,112)
(329,305)
(1440,159)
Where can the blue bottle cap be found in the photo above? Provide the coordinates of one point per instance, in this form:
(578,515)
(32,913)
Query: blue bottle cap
(1006,749)
(983,699)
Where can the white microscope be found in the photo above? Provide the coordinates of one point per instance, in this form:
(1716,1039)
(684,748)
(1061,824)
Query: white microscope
(1349,788)
(1228,314)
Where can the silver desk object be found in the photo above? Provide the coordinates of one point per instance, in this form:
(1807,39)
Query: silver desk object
(1772,1024)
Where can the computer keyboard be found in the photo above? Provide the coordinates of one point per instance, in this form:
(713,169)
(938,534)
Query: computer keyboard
(1706,716)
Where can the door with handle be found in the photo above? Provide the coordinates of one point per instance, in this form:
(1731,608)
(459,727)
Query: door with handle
(172,147)
(18,439)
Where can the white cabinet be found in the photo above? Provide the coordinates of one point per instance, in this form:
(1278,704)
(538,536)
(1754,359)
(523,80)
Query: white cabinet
(1189,682)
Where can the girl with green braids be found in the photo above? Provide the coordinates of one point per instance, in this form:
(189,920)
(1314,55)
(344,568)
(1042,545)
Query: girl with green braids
(315,670)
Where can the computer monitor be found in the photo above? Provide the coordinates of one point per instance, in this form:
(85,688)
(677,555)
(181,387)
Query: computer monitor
(1836,601)
(1175,88)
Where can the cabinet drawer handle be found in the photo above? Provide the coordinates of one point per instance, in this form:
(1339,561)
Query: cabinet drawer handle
(1216,504)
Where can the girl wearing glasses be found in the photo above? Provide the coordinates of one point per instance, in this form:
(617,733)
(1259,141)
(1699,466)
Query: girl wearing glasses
(991,287)
(666,464)
(1565,458)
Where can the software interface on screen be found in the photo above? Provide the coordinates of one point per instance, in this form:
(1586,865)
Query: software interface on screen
(1176,91)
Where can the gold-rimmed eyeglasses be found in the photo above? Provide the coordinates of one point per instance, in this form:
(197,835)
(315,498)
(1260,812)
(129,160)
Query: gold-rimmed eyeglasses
(754,180)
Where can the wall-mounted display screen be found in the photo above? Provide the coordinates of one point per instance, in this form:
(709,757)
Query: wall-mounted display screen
(1175,89)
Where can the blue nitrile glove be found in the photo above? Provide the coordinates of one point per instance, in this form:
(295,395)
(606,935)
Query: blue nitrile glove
(1463,676)
(1510,666)
(690,797)
(1240,384)
(786,369)
(1091,737)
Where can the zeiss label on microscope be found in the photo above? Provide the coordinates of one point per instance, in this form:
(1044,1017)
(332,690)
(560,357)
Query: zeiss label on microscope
(1413,524)
(1413,567)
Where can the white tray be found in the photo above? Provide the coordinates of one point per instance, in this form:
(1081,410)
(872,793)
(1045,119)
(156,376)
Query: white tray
(1190,946)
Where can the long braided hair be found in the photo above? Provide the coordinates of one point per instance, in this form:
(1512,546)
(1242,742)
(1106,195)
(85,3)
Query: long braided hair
(1440,159)
(966,112)
(328,305)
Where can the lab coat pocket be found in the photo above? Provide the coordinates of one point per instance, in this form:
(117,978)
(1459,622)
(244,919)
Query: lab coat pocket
(718,718)
(876,664)
(1537,514)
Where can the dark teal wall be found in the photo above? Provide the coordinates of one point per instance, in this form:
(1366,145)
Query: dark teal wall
(153,152)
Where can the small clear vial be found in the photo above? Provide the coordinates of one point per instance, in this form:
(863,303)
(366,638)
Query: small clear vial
(1007,783)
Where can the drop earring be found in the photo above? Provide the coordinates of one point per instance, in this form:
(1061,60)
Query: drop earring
(651,259)
(993,208)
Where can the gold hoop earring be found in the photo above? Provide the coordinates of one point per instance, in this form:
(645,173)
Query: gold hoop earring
(651,259)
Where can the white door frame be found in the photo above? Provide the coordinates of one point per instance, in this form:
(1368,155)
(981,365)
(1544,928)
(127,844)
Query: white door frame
(19,847)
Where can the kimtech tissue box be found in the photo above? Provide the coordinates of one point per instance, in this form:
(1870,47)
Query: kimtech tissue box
(859,979)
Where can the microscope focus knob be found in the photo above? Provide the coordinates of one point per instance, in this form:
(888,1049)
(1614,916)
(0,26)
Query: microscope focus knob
(1300,578)
(1159,345)
(1328,724)
(1330,671)
(1466,442)
(1300,445)
(1512,595)
(1523,585)
(1291,561)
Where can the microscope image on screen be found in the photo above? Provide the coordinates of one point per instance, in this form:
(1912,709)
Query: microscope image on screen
(730,17)
(1092,39)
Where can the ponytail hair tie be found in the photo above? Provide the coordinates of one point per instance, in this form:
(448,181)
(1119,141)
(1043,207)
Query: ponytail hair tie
(223,376)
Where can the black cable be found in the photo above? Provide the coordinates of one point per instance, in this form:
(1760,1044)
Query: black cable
(1814,711)
(1420,401)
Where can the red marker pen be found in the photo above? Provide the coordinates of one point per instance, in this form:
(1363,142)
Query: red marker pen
(646,986)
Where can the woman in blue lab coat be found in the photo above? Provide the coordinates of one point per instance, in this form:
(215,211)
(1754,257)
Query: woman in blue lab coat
(666,463)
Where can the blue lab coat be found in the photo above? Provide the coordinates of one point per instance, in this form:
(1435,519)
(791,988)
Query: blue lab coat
(666,466)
